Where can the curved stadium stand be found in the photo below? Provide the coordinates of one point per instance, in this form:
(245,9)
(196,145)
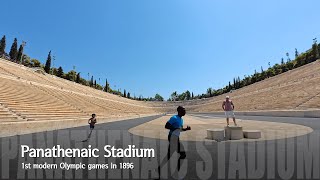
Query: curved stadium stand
(27,95)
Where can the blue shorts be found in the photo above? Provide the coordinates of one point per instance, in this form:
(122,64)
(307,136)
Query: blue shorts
(91,126)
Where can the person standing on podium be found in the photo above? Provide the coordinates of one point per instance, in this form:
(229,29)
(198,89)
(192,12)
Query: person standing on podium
(228,108)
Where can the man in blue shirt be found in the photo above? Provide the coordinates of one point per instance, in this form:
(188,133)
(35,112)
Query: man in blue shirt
(175,125)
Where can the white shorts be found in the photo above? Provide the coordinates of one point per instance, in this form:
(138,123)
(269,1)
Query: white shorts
(229,114)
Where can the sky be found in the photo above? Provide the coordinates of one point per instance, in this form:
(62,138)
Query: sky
(162,46)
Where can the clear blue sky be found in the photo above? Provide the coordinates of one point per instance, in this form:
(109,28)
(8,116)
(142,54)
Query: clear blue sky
(161,46)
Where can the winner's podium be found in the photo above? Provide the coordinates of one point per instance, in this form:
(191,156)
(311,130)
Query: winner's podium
(215,134)
(233,132)
(252,134)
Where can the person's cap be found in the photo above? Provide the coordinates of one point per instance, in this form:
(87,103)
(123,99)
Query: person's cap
(227,97)
(180,108)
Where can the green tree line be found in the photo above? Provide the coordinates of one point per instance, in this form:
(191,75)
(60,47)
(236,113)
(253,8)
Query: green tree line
(304,58)
(18,56)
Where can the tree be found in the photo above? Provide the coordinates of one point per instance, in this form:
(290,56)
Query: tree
(263,75)
(181,97)
(290,65)
(209,92)
(36,63)
(284,67)
(296,53)
(95,83)
(188,95)
(54,71)
(238,81)
(157,97)
(174,96)
(60,72)
(192,96)
(277,69)
(124,93)
(48,63)
(2,45)
(98,86)
(288,57)
(78,78)
(26,61)
(14,50)
(20,53)
(106,88)
(91,81)
(71,75)
(128,95)
(315,49)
